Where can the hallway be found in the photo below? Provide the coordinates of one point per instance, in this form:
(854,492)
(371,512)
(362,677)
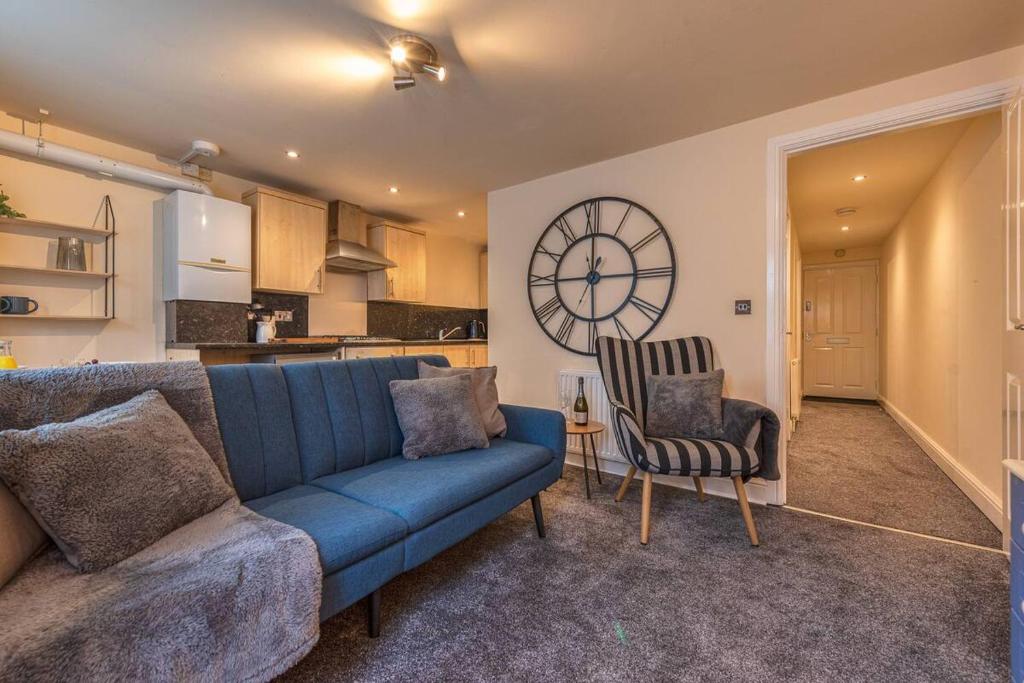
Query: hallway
(854,461)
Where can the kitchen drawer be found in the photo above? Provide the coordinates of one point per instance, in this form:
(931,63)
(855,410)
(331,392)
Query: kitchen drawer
(1017,510)
(373,351)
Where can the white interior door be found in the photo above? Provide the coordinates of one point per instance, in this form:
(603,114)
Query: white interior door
(1013,342)
(840,314)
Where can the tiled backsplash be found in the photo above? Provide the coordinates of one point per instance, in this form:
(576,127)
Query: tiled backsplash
(418,321)
(213,321)
(297,304)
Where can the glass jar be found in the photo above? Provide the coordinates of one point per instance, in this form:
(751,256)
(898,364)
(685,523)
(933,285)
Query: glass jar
(7,361)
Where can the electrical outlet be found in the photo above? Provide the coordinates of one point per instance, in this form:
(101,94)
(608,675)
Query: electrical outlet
(283,316)
(743,307)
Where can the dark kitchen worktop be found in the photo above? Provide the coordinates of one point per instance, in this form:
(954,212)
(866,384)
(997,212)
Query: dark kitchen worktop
(310,347)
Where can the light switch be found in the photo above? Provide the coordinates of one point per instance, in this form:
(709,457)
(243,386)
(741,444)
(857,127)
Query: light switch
(283,316)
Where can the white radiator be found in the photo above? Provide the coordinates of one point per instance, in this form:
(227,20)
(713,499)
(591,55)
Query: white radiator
(597,400)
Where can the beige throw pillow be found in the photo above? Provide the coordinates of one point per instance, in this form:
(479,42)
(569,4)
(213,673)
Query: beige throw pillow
(20,536)
(485,393)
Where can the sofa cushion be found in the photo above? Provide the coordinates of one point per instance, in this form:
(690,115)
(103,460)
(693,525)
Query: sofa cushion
(107,485)
(343,529)
(485,393)
(423,491)
(438,416)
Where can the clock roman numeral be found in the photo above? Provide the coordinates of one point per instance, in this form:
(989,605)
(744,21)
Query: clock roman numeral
(646,307)
(568,234)
(662,271)
(542,280)
(547,309)
(623,221)
(591,336)
(566,328)
(653,235)
(554,256)
(593,211)
(621,328)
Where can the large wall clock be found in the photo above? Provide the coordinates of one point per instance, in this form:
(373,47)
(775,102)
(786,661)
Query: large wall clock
(604,266)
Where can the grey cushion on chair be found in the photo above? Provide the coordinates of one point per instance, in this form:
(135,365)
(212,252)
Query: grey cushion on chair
(685,405)
(437,415)
(107,485)
(485,392)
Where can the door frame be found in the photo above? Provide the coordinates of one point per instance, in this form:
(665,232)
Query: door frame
(860,263)
(933,110)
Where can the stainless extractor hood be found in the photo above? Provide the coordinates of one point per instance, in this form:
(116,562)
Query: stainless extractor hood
(344,256)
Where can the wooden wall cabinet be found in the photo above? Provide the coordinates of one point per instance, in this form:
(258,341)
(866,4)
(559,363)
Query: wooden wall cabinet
(407,248)
(289,238)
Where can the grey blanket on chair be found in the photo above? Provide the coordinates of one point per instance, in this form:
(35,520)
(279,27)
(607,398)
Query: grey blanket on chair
(738,417)
(230,596)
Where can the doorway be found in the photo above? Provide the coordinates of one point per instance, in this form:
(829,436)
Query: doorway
(817,367)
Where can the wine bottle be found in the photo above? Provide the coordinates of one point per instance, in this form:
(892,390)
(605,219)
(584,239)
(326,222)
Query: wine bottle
(580,411)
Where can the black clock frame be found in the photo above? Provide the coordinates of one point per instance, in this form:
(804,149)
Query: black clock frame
(539,250)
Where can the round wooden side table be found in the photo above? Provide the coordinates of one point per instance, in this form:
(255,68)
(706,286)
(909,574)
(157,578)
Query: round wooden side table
(584,432)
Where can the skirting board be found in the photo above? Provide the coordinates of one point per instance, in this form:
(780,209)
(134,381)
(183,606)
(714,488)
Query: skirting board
(713,486)
(985,500)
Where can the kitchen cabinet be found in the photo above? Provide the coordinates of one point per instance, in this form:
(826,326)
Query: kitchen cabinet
(407,248)
(289,237)
(459,355)
(373,351)
(483,279)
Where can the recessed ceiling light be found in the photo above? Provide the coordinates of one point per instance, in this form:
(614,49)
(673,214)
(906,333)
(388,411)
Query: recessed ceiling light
(462,214)
(393,189)
(845,228)
(859,178)
(292,154)
(398,54)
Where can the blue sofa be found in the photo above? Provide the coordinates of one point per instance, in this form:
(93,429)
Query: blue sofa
(317,446)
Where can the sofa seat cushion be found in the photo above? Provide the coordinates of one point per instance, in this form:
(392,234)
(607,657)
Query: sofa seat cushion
(344,530)
(425,490)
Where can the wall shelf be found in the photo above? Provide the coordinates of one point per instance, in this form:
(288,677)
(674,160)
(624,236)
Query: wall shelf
(66,318)
(27,224)
(5,267)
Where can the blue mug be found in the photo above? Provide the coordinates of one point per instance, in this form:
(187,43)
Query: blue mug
(18,305)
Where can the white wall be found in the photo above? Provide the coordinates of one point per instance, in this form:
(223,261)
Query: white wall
(942,309)
(709,191)
(54,193)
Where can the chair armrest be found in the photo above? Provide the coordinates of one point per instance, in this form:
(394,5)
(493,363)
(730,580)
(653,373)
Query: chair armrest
(741,421)
(629,435)
(537,426)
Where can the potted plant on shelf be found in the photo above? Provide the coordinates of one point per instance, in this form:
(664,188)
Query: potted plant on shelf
(6,209)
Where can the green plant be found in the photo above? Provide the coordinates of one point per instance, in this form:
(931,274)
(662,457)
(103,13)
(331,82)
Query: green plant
(6,209)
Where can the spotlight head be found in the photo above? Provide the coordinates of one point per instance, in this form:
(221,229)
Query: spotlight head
(398,54)
(403,82)
(437,71)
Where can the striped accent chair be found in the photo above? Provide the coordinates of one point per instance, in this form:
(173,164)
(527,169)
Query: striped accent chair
(625,366)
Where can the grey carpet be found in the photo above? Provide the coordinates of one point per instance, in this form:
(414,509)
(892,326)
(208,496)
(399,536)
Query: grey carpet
(819,600)
(854,461)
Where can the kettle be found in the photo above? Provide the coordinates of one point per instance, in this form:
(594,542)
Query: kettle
(266,330)
(475,329)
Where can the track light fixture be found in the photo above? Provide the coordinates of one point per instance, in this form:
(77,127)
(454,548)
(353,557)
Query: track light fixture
(411,54)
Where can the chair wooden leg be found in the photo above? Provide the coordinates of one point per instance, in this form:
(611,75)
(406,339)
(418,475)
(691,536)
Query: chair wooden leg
(748,519)
(700,489)
(645,509)
(630,473)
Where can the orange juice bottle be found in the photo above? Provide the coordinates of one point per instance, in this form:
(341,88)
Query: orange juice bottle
(7,361)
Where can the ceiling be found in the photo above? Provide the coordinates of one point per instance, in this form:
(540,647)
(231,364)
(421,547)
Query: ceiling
(535,86)
(897,166)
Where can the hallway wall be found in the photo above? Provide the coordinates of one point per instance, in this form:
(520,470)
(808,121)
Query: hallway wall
(941,322)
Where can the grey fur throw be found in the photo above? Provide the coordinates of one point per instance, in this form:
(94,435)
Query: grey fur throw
(233,596)
(108,484)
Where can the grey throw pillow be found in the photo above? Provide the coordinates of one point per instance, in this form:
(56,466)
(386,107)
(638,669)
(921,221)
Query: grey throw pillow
(485,392)
(685,405)
(109,484)
(437,415)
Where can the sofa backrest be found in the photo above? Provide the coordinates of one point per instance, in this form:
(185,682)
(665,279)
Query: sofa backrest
(287,425)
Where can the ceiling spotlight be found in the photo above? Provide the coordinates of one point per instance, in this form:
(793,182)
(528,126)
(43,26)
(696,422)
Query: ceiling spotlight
(845,228)
(859,178)
(292,154)
(414,55)
(461,214)
(403,82)
(393,189)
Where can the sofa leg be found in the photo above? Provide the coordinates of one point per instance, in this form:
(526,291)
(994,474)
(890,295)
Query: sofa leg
(538,515)
(373,614)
